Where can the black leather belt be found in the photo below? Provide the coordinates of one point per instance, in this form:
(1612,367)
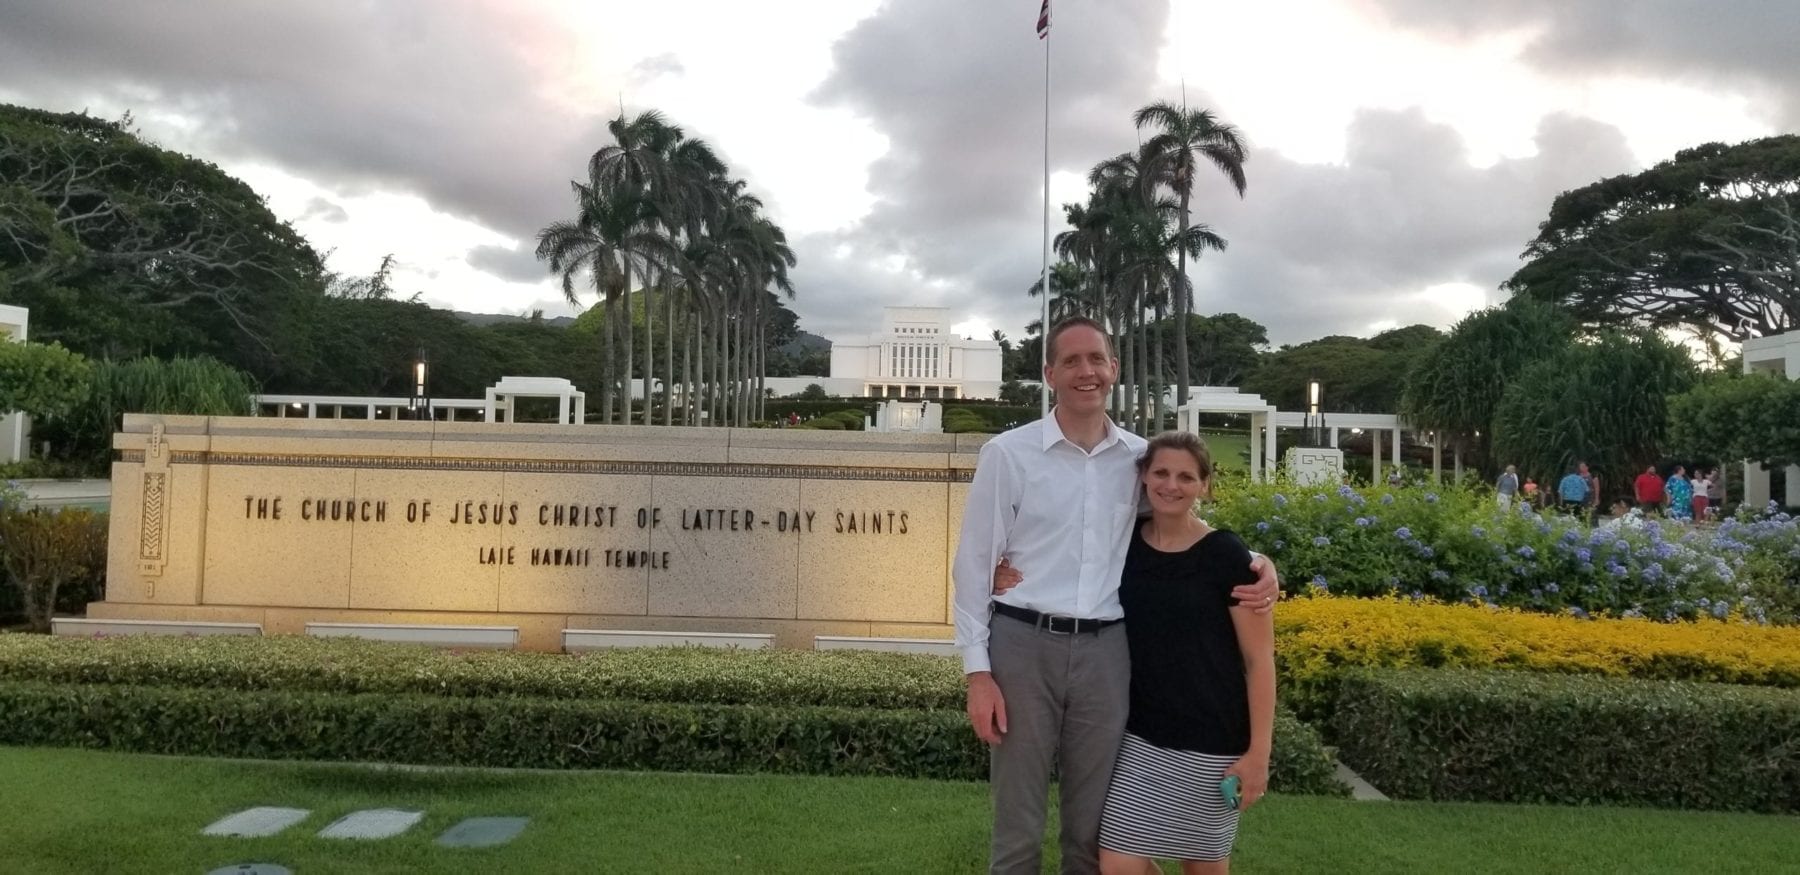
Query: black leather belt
(1051,622)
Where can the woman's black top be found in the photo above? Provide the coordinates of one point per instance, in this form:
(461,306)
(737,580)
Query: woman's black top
(1188,690)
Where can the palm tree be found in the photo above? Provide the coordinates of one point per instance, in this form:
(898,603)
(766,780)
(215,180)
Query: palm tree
(613,231)
(1184,138)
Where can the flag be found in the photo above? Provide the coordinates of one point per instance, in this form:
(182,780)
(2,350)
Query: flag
(1044,20)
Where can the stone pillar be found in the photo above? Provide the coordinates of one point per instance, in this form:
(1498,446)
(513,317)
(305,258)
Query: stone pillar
(1334,435)
(1437,457)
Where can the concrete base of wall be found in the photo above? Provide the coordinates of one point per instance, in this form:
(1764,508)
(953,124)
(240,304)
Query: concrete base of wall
(543,632)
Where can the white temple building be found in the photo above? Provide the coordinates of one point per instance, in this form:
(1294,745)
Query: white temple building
(914,355)
(15,431)
(1777,354)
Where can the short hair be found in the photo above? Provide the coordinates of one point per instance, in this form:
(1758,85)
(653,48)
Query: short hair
(1076,322)
(1185,441)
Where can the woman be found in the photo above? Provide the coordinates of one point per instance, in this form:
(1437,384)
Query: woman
(1701,487)
(1681,495)
(1202,678)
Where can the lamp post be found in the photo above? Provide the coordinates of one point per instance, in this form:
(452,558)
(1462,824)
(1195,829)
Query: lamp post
(1315,420)
(420,402)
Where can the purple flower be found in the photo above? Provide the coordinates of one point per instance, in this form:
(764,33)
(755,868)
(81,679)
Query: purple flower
(1321,541)
(1362,522)
(1584,554)
(1280,500)
(1403,533)
(1262,527)
(1318,581)
(1526,551)
(1431,498)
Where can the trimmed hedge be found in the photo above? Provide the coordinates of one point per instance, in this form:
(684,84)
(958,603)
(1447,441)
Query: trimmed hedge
(1522,737)
(697,675)
(512,732)
(1318,638)
(833,712)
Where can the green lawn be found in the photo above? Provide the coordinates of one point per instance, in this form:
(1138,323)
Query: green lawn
(82,811)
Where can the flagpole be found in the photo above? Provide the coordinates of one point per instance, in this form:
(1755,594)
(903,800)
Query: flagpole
(1044,336)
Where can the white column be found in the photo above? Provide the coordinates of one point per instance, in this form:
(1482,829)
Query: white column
(580,408)
(488,414)
(1756,486)
(1396,446)
(1437,457)
(1256,459)
(1793,486)
(1334,435)
(562,408)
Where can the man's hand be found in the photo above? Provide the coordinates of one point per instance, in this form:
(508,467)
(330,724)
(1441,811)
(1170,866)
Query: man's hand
(1261,595)
(987,708)
(1005,576)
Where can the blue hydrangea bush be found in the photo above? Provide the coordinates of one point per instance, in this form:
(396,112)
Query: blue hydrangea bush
(1456,544)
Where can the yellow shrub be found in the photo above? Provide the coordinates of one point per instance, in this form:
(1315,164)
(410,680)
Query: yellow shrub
(1316,637)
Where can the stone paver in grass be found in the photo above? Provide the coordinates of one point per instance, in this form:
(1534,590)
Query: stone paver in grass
(483,832)
(256,822)
(253,869)
(373,823)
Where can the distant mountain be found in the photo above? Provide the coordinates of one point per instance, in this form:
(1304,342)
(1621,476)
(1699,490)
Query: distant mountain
(485,319)
(805,342)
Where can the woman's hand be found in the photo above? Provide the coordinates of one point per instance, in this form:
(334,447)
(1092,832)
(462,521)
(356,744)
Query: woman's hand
(1005,576)
(1252,771)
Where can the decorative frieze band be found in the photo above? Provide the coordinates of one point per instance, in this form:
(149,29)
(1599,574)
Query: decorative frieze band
(564,466)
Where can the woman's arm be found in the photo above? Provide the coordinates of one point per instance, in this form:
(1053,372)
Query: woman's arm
(1256,639)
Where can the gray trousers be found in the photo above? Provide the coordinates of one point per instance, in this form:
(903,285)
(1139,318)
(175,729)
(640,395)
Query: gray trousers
(1066,700)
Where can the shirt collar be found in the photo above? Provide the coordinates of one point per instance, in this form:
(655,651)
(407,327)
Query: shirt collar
(1053,434)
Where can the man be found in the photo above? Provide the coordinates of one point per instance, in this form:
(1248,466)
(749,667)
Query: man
(1648,490)
(1574,491)
(1048,671)
(1507,487)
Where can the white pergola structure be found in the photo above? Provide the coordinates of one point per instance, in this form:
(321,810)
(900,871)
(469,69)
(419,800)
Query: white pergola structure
(1777,354)
(570,400)
(13,323)
(1265,420)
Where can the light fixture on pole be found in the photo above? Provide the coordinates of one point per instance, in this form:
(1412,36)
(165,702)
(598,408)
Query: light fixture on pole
(1315,419)
(420,402)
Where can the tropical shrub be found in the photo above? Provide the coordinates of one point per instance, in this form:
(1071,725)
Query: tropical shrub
(46,550)
(1518,737)
(41,380)
(191,386)
(1454,544)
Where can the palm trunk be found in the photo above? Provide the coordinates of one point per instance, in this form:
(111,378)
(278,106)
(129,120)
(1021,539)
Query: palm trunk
(609,359)
(629,371)
(669,355)
(649,346)
(720,392)
(1141,415)
(690,342)
(1183,306)
(1157,403)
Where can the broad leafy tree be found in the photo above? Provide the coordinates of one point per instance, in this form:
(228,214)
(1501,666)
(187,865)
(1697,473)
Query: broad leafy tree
(121,248)
(1603,400)
(1754,417)
(1358,375)
(1709,240)
(1455,386)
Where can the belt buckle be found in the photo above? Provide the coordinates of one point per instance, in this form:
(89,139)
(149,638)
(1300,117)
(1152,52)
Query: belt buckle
(1047,622)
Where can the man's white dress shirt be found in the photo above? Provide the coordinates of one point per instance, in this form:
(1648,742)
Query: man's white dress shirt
(1061,515)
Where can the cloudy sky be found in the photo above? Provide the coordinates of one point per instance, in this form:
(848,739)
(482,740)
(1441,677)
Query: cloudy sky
(1403,151)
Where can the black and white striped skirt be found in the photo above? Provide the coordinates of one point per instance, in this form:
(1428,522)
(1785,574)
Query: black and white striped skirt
(1166,803)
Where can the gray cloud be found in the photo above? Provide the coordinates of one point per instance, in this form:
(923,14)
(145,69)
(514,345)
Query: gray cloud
(649,69)
(1741,44)
(956,87)
(323,210)
(508,263)
(1321,249)
(354,96)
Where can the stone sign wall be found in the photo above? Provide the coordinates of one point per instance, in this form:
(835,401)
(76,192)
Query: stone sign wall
(546,527)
